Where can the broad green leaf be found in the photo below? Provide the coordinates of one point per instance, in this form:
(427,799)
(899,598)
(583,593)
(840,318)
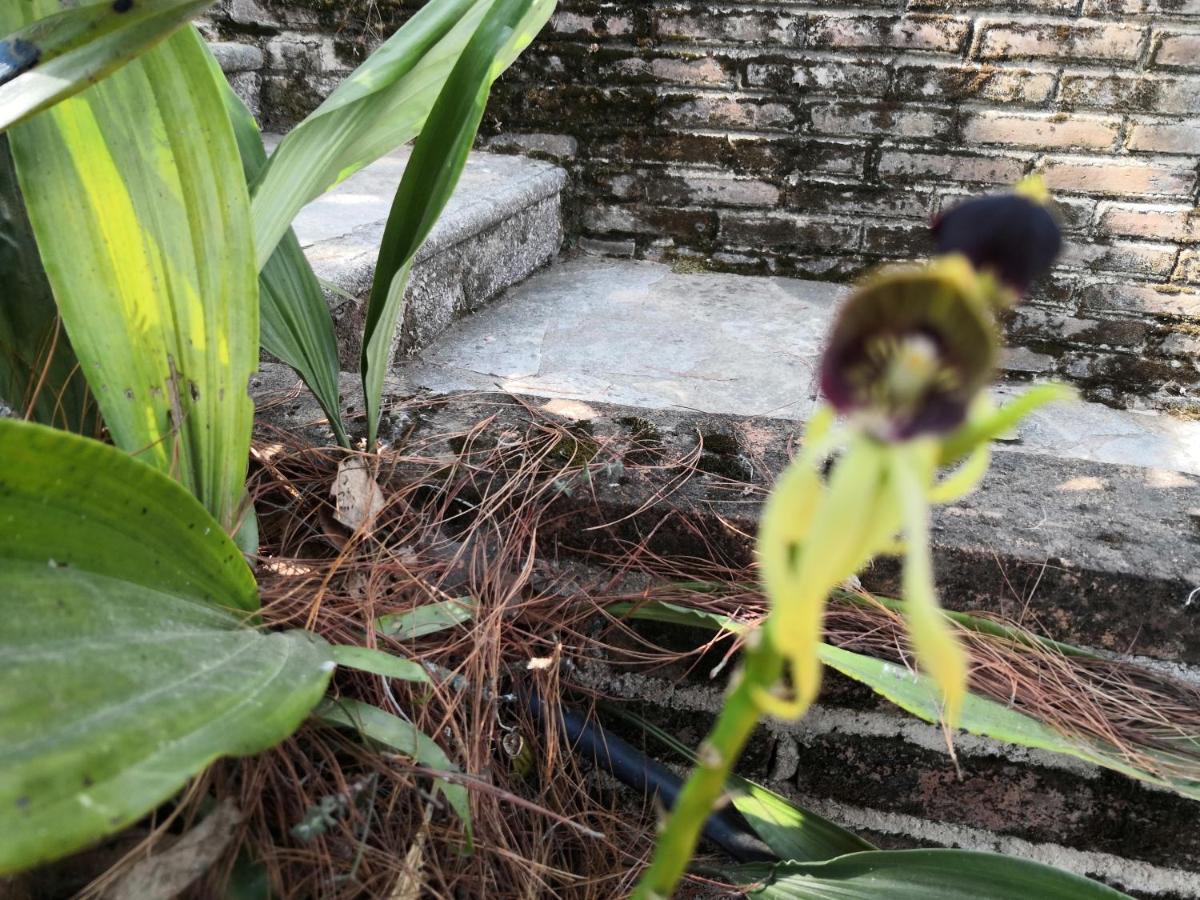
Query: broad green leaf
(378,662)
(38,370)
(296,325)
(917,694)
(433,172)
(127,665)
(136,195)
(59,494)
(392,731)
(789,830)
(62,54)
(919,875)
(424,620)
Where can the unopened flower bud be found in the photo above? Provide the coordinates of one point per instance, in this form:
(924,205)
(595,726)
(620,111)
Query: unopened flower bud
(1012,236)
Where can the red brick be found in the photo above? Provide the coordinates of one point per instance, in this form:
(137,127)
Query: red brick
(803,233)
(1041,130)
(1157,222)
(1178,51)
(1165,137)
(725,111)
(1141,7)
(721,190)
(944,34)
(703,71)
(850,119)
(1156,260)
(1182,344)
(1045,7)
(1059,40)
(859,79)
(1156,300)
(1107,176)
(734,25)
(957,167)
(572,23)
(1131,93)
(1189,266)
(973,81)
(897,239)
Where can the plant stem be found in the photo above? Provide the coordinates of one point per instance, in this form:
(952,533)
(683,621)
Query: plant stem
(706,784)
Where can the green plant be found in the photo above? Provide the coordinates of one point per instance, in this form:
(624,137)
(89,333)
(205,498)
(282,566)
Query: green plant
(820,860)
(130,656)
(141,210)
(906,364)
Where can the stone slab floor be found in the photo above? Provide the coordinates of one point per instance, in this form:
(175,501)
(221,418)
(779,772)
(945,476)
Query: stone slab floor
(637,333)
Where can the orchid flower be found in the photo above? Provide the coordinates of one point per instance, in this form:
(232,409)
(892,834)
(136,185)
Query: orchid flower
(907,417)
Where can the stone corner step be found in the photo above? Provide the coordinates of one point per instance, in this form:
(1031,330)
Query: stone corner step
(242,65)
(502,224)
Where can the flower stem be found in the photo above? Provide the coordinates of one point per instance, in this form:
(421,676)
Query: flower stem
(763,667)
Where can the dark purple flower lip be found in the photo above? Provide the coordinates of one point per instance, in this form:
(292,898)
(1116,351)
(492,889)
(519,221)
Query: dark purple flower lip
(911,349)
(1011,236)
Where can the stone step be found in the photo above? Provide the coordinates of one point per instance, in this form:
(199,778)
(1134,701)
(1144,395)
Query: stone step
(640,334)
(242,65)
(503,222)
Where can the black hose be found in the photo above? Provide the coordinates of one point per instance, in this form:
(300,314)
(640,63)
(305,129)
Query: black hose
(726,828)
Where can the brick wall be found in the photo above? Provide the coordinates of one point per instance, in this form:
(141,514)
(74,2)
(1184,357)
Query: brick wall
(804,139)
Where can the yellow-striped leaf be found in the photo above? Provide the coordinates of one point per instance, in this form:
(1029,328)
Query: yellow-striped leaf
(136,195)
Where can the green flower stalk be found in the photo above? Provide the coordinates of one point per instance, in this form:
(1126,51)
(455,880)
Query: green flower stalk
(904,377)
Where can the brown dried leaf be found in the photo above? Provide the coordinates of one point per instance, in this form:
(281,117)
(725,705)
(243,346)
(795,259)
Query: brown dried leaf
(168,874)
(356,494)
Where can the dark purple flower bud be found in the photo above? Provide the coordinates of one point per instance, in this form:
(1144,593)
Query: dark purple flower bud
(1012,236)
(911,349)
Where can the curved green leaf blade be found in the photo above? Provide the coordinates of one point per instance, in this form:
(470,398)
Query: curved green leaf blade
(379,662)
(381,105)
(392,731)
(136,195)
(60,55)
(38,369)
(122,675)
(427,619)
(920,875)
(432,173)
(296,326)
(70,502)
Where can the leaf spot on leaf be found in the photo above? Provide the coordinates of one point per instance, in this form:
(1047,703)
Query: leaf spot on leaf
(121,6)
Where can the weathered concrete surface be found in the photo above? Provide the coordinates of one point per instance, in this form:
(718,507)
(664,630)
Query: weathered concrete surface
(502,223)
(1091,553)
(641,334)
